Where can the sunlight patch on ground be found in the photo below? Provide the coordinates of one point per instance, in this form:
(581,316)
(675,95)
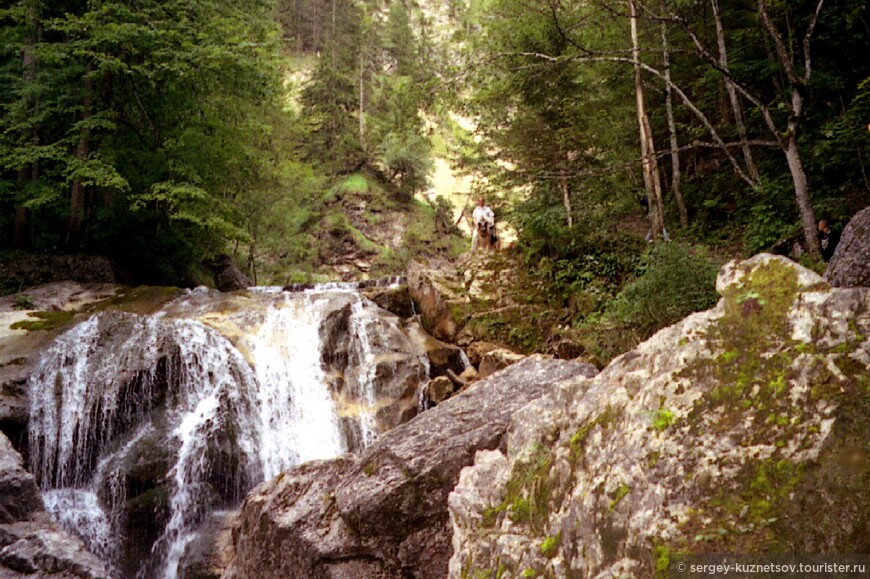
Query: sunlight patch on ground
(459,189)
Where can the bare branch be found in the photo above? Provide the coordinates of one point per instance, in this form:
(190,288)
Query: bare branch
(807,37)
(781,50)
(657,73)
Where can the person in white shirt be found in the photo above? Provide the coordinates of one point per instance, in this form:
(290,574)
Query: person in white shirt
(484,226)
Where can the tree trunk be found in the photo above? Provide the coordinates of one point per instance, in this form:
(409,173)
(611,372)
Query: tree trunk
(22,235)
(802,193)
(797,84)
(648,151)
(676,175)
(78,208)
(362,95)
(565,186)
(736,107)
(21,232)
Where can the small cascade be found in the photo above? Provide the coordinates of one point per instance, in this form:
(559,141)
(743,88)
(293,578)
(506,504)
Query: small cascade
(83,398)
(297,419)
(206,413)
(215,402)
(384,282)
(79,512)
(362,381)
(466,363)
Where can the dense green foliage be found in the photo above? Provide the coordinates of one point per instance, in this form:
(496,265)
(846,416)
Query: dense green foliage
(554,95)
(671,282)
(554,91)
(164,134)
(139,132)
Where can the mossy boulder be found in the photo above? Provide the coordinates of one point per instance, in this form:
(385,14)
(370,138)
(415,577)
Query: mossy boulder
(741,429)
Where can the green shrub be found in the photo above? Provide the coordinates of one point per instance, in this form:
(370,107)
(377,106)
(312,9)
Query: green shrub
(771,217)
(673,281)
(23,302)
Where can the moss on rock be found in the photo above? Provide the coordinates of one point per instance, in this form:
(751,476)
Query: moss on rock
(44,321)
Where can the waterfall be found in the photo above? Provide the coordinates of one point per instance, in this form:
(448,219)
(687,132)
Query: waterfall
(362,384)
(224,410)
(297,417)
(79,511)
(84,397)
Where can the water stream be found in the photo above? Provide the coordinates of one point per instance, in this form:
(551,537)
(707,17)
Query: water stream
(216,393)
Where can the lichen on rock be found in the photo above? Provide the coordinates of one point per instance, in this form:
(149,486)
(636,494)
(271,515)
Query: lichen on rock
(723,433)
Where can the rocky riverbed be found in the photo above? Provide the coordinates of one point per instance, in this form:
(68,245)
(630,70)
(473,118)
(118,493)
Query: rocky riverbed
(740,429)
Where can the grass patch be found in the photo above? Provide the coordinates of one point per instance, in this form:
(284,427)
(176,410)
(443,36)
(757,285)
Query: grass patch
(616,496)
(662,419)
(44,321)
(551,544)
(356,184)
(527,493)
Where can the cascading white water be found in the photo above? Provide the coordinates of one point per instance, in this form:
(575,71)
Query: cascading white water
(217,394)
(82,402)
(297,418)
(227,415)
(77,400)
(79,510)
(363,386)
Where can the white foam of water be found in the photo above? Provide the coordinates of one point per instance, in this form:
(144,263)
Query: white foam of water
(79,512)
(86,397)
(216,389)
(297,416)
(363,387)
(76,405)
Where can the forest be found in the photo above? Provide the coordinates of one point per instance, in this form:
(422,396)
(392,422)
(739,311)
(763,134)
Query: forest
(165,135)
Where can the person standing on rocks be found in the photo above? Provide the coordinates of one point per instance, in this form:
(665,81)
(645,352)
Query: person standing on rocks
(828,239)
(484,226)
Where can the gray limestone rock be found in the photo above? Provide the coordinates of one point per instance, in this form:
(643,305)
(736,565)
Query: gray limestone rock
(384,514)
(429,301)
(51,552)
(850,265)
(742,429)
(31,545)
(227,275)
(19,495)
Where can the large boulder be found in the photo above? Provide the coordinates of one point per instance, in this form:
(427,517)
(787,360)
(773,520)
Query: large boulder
(850,265)
(741,429)
(429,300)
(365,346)
(384,515)
(19,495)
(393,299)
(227,275)
(495,360)
(31,545)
